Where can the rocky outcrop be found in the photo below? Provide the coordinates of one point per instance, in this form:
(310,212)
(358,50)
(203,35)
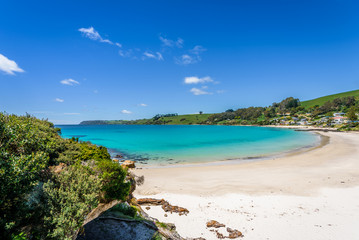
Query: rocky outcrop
(166,206)
(117,229)
(128,164)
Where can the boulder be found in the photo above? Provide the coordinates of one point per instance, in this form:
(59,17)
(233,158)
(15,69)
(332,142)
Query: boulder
(233,233)
(165,205)
(214,224)
(150,201)
(128,164)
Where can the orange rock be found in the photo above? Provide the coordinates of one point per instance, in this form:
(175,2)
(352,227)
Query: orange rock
(215,224)
(129,164)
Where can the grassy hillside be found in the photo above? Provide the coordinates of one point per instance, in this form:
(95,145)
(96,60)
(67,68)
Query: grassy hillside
(174,120)
(185,119)
(320,101)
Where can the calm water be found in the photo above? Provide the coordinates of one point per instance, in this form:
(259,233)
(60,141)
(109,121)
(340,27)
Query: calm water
(162,144)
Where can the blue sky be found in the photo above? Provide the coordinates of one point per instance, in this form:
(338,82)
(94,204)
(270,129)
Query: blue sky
(84,60)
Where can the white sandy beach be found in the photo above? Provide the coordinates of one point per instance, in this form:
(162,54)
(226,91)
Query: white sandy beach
(310,195)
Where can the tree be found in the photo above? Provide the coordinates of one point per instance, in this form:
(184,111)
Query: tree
(200,112)
(351,114)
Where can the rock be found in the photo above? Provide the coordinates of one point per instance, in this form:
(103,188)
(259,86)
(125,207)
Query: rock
(169,208)
(148,208)
(150,201)
(165,205)
(128,164)
(166,215)
(214,224)
(59,168)
(233,233)
(118,156)
(115,160)
(220,235)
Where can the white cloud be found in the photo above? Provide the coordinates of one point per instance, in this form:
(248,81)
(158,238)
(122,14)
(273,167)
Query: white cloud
(92,34)
(197,91)
(71,113)
(171,43)
(9,66)
(126,111)
(198,49)
(69,81)
(142,105)
(59,100)
(179,43)
(185,59)
(157,55)
(191,57)
(118,44)
(95,91)
(124,53)
(196,80)
(220,91)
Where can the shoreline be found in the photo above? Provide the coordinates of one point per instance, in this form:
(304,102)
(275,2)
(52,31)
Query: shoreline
(234,176)
(312,195)
(324,140)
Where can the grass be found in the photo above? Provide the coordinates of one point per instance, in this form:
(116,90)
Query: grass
(186,119)
(320,101)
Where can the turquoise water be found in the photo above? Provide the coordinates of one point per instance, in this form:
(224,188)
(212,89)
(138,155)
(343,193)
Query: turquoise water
(166,144)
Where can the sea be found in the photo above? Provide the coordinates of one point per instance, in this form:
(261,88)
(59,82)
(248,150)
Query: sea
(161,145)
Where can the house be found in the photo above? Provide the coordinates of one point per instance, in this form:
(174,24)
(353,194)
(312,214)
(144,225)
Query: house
(303,122)
(339,120)
(339,114)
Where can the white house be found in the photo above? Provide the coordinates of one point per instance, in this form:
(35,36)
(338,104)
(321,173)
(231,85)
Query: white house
(339,114)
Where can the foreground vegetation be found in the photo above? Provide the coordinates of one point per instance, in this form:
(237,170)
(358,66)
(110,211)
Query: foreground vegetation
(49,184)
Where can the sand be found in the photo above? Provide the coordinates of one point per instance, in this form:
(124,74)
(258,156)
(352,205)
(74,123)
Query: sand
(310,195)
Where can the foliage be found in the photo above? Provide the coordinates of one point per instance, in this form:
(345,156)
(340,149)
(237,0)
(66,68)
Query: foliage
(70,197)
(45,202)
(351,114)
(320,101)
(113,181)
(125,209)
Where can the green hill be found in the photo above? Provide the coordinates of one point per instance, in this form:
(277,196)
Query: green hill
(185,119)
(320,101)
(173,120)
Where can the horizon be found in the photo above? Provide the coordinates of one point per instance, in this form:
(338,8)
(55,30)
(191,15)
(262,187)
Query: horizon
(75,61)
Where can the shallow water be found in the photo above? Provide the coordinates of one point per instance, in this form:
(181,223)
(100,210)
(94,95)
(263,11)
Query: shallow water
(167,144)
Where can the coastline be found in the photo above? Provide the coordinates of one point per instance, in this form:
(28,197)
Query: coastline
(324,140)
(312,193)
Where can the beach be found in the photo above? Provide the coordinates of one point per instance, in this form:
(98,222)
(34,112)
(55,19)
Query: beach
(309,194)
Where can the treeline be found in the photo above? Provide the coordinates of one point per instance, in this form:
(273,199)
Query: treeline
(338,104)
(256,115)
(158,116)
(49,184)
(289,107)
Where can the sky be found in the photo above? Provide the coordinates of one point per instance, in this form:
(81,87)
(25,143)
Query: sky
(68,61)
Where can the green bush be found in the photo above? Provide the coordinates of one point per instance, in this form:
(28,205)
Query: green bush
(70,197)
(51,205)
